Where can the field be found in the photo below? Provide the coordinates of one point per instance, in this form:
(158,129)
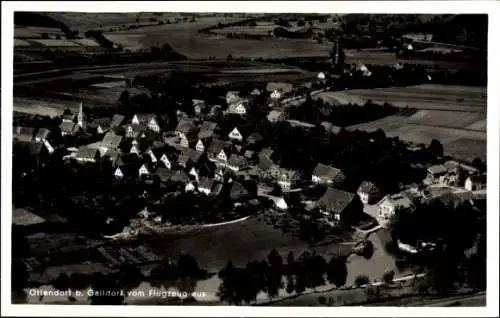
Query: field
(428,96)
(454,115)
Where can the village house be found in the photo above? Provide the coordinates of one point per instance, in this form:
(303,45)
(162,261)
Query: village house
(188,158)
(42,135)
(135,131)
(86,154)
(116,121)
(255,92)
(236,135)
(339,206)
(68,128)
(274,116)
(23,133)
(186,131)
(287,179)
(368,192)
(128,159)
(130,170)
(475,182)
(232,97)
(205,186)
(71,123)
(198,106)
(145,170)
(390,205)
(279,90)
(147,120)
(111,142)
(236,163)
(200,146)
(164,174)
(100,125)
(436,174)
(207,130)
(327,175)
(217,150)
(239,108)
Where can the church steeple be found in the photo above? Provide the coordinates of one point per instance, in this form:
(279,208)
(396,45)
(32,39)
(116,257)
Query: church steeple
(80,118)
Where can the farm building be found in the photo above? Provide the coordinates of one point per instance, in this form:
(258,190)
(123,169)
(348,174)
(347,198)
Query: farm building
(323,174)
(339,206)
(369,192)
(392,204)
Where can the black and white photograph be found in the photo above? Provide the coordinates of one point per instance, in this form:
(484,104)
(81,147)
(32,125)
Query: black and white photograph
(265,158)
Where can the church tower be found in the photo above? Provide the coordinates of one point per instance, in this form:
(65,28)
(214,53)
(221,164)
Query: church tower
(80,117)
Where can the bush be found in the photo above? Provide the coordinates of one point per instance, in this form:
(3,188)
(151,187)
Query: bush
(388,277)
(322,300)
(362,280)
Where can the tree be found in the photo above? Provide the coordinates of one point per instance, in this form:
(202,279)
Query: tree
(388,277)
(436,148)
(337,271)
(229,57)
(361,280)
(301,22)
(479,165)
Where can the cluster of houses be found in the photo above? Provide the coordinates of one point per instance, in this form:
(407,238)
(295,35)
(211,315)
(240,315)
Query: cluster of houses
(202,157)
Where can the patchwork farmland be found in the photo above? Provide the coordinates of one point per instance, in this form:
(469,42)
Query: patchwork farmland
(454,115)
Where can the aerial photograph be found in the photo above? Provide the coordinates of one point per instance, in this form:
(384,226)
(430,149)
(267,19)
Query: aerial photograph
(252,159)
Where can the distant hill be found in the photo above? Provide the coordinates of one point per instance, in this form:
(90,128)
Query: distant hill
(40,19)
(463,29)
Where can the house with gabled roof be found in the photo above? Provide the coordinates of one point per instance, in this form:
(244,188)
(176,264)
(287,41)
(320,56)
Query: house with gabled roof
(200,146)
(232,97)
(135,131)
(236,162)
(327,175)
(130,170)
(164,174)
(390,205)
(274,116)
(475,182)
(205,186)
(127,159)
(23,133)
(100,125)
(217,150)
(287,178)
(146,169)
(42,134)
(235,134)
(207,130)
(148,120)
(239,107)
(188,158)
(116,121)
(68,128)
(340,206)
(86,154)
(111,141)
(369,193)
(28,153)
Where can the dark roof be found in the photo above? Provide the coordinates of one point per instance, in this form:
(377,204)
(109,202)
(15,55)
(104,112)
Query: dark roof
(42,133)
(327,172)
(185,126)
(145,118)
(192,154)
(111,140)
(68,117)
(116,121)
(66,126)
(23,133)
(236,160)
(266,152)
(27,148)
(87,153)
(284,87)
(103,122)
(129,170)
(255,137)
(217,145)
(335,200)
(164,174)
(437,169)
(368,187)
(207,129)
(180,176)
(128,158)
(206,183)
